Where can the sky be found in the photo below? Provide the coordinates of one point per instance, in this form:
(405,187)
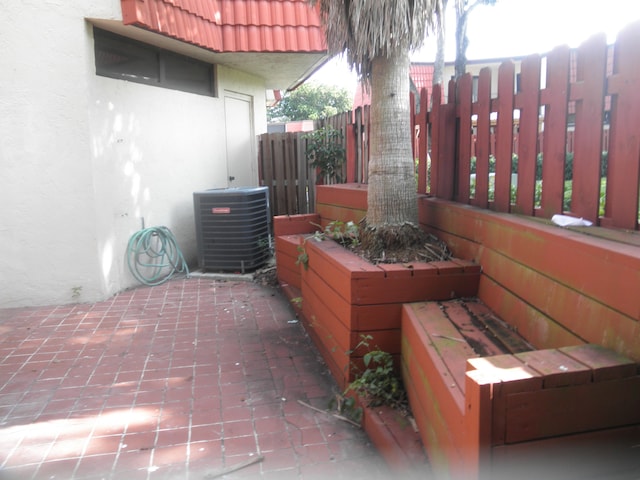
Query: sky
(514,28)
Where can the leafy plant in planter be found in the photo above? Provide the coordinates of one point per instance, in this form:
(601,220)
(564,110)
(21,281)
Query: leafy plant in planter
(379,384)
(346,234)
(326,153)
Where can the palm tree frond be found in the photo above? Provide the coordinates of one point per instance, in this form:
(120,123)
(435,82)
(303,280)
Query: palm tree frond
(368,29)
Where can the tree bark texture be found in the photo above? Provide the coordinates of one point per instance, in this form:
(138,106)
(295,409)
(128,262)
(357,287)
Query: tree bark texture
(438,66)
(392,184)
(462,42)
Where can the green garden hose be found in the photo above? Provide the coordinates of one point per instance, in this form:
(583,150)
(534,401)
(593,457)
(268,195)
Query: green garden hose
(153,256)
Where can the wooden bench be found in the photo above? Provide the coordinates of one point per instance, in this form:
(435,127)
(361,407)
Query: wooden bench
(488,405)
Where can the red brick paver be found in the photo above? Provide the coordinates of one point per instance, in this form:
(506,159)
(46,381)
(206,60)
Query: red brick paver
(178,381)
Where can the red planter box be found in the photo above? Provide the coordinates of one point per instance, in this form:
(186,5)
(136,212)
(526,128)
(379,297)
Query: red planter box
(345,298)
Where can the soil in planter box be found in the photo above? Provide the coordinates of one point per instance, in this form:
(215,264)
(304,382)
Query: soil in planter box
(401,244)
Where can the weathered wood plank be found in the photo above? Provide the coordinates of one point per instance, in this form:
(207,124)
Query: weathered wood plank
(391,289)
(503,334)
(447,341)
(290,173)
(588,93)
(423,144)
(302,180)
(504,137)
(483,107)
(279,159)
(267,170)
(508,376)
(554,97)
(605,364)
(579,408)
(465,91)
(426,354)
(624,150)
(436,431)
(447,149)
(435,122)
(527,100)
(558,369)
(478,421)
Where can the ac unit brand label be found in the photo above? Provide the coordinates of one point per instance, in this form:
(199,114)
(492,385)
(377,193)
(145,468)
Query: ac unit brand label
(217,210)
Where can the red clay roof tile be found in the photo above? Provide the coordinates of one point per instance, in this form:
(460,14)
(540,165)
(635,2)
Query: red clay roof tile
(232,25)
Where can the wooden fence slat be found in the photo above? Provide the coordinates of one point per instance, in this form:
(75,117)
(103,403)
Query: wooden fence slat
(266,152)
(345,121)
(527,101)
(351,149)
(504,136)
(555,97)
(588,93)
(448,133)
(412,122)
(446,138)
(292,172)
(624,152)
(358,143)
(302,181)
(481,198)
(423,152)
(279,151)
(436,100)
(366,133)
(465,92)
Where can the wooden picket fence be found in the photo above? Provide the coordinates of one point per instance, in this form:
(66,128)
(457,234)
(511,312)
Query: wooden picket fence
(600,83)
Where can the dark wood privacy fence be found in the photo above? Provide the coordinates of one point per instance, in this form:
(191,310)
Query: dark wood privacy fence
(283,166)
(562,136)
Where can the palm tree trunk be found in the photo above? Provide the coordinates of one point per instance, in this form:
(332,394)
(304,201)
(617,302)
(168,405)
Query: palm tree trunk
(438,66)
(392,194)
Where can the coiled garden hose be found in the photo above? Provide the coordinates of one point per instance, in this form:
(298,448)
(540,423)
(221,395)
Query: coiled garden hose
(153,256)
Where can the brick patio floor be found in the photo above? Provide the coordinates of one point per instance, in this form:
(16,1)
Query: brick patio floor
(179,381)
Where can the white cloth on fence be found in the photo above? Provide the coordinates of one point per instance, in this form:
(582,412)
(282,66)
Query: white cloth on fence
(567,221)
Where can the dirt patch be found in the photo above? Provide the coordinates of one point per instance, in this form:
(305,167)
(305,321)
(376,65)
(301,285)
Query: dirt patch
(399,244)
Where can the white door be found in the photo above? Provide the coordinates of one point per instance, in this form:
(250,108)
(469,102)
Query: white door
(241,151)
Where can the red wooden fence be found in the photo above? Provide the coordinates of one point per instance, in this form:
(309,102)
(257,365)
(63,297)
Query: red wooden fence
(585,103)
(539,107)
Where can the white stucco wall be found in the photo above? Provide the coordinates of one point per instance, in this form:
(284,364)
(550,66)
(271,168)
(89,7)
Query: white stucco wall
(83,158)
